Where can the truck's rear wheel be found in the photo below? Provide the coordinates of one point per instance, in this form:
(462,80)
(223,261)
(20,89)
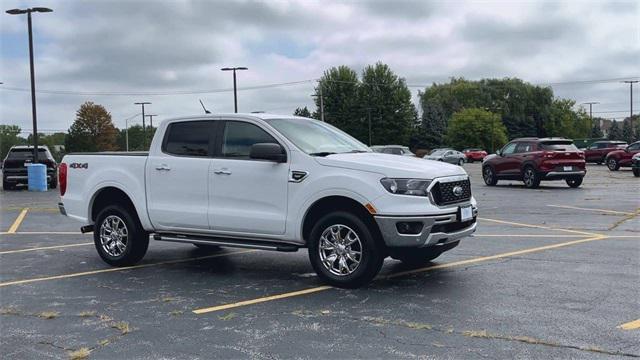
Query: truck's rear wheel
(343,250)
(119,236)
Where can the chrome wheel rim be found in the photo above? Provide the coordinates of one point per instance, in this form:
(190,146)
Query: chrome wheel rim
(528,177)
(612,164)
(488,175)
(114,235)
(340,250)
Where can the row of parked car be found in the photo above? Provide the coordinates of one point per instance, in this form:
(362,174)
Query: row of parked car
(533,160)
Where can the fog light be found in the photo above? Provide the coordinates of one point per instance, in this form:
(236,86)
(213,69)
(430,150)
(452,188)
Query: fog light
(409,227)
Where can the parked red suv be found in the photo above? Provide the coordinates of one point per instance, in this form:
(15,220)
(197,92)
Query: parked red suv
(597,152)
(533,160)
(474,154)
(622,157)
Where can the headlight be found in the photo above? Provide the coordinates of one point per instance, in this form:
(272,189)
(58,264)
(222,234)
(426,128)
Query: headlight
(416,187)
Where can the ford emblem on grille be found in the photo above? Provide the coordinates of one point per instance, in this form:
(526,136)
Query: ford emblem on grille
(457,190)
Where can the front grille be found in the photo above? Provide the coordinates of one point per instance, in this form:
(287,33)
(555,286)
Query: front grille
(452,227)
(443,194)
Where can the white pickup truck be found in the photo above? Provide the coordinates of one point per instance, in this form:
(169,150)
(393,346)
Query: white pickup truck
(269,182)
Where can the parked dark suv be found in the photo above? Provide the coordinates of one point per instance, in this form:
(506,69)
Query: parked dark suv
(14,166)
(533,160)
(622,157)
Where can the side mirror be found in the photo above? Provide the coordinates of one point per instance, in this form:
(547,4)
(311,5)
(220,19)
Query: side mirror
(499,152)
(268,151)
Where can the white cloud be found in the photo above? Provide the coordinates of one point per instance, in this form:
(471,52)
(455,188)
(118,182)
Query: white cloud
(159,46)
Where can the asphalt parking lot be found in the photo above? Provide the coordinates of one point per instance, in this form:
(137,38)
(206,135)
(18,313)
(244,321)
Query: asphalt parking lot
(551,273)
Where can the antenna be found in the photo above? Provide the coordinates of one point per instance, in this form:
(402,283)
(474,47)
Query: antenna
(204,108)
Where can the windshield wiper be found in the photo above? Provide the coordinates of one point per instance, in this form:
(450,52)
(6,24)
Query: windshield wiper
(322,153)
(354,152)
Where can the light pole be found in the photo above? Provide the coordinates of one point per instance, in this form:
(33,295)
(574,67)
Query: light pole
(33,76)
(144,131)
(235,91)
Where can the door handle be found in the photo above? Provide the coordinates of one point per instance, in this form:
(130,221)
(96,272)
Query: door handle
(222,172)
(163,167)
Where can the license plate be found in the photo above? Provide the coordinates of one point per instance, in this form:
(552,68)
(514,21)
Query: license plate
(568,168)
(466,213)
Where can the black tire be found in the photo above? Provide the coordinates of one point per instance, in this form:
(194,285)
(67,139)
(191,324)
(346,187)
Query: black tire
(137,240)
(460,162)
(574,182)
(7,185)
(530,177)
(613,164)
(489,176)
(636,172)
(470,160)
(53,184)
(416,257)
(372,251)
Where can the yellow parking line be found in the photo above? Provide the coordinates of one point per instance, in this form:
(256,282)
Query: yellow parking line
(92,272)
(632,325)
(596,210)
(541,227)
(43,248)
(16,224)
(528,235)
(263,299)
(398,274)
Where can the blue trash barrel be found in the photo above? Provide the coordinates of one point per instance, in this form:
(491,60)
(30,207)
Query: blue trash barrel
(37,177)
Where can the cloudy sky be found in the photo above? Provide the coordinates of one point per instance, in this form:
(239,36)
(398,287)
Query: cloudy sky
(169,52)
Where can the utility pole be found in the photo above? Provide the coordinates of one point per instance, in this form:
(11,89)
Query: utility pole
(126,133)
(591,103)
(144,129)
(321,100)
(32,72)
(235,91)
(631,82)
(151,122)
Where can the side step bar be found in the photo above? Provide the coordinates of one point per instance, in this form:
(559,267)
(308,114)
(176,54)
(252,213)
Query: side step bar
(247,244)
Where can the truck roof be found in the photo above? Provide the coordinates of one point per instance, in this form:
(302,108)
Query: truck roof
(226,116)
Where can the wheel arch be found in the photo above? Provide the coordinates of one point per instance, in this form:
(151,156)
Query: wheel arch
(333,203)
(110,195)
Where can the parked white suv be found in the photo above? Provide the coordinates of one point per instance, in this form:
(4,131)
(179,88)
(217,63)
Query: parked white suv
(269,182)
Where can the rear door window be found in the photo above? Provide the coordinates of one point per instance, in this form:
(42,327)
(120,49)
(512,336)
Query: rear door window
(240,136)
(188,138)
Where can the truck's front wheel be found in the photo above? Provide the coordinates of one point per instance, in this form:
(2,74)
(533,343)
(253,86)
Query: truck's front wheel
(119,236)
(343,250)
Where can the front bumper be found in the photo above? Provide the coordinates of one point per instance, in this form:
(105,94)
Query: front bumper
(437,230)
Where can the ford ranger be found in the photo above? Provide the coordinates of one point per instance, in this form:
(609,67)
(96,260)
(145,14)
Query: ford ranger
(269,182)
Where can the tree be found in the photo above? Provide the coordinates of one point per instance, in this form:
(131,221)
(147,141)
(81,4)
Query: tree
(614,131)
(636,128)
(385,107)
(92,130)
(627,131)
(565,122)
(339,88)
(476,128)
(596,131)
(135,138)
(304,112)
(431,129)
(8,138)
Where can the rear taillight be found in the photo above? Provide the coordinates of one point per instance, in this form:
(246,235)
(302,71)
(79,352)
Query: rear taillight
(62,178)
(581,154)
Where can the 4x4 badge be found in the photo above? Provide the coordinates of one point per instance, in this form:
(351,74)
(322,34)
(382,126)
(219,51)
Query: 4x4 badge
(457,190)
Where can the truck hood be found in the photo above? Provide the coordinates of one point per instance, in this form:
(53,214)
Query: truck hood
(392,165)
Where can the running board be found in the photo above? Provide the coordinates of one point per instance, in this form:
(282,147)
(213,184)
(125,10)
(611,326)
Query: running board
(247,244)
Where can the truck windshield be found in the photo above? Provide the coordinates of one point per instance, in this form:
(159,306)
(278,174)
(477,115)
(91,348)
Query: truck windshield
(317,138)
